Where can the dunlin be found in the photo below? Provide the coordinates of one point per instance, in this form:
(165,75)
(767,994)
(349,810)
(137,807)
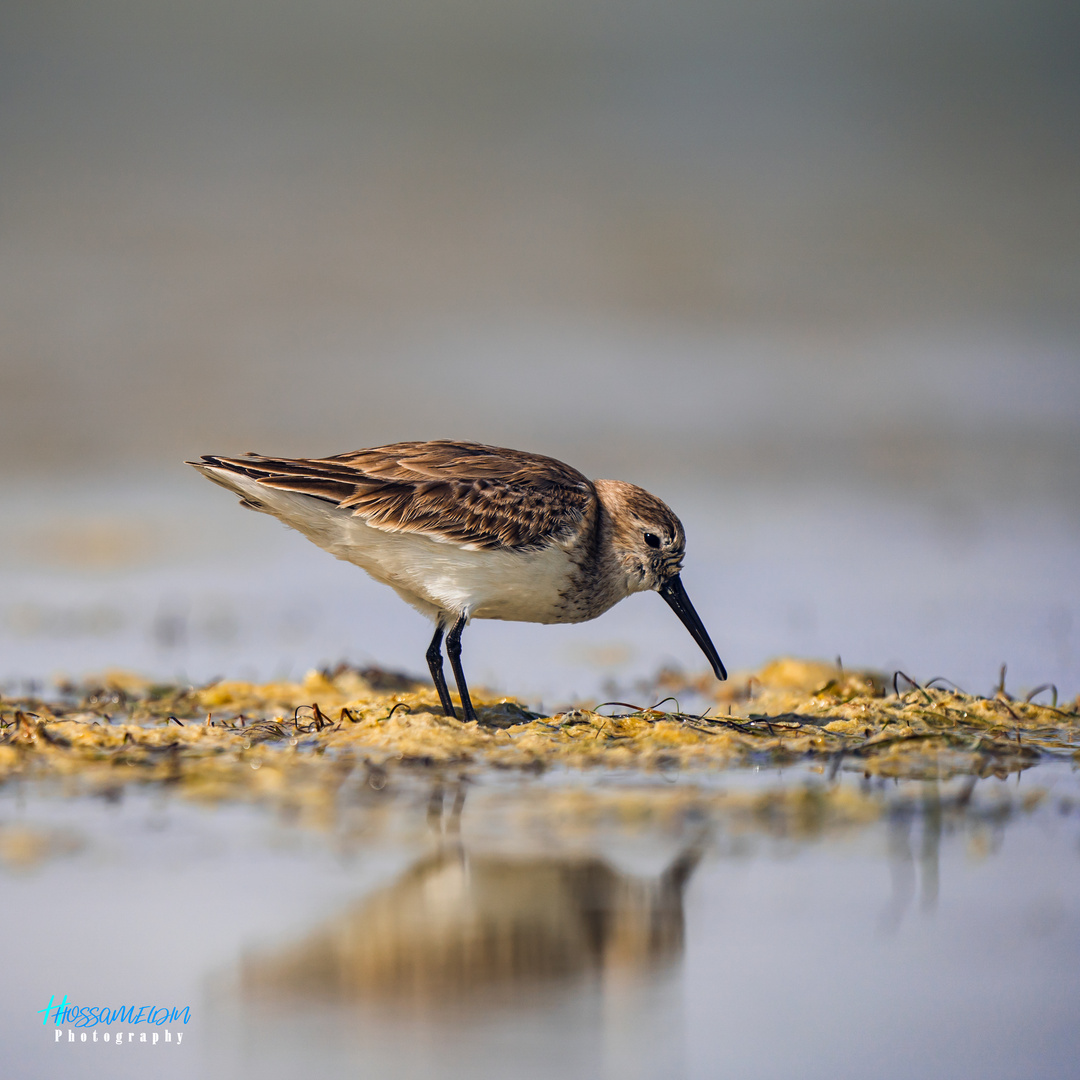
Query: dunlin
(464,531)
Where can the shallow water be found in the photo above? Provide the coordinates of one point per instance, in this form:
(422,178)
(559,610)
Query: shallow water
(750,922)
(177,583)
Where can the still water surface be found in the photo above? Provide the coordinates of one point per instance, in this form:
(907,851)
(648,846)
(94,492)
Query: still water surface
(748,923)
(171,580)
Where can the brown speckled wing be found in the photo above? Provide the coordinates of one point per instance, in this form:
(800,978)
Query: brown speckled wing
(462,493)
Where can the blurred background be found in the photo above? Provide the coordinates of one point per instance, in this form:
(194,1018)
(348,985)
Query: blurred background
(807,269)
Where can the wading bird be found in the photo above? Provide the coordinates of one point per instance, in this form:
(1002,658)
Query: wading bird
(464,531)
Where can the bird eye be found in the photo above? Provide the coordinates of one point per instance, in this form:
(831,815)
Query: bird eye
(652,540)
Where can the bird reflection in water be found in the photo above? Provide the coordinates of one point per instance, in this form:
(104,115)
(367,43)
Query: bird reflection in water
(460,925)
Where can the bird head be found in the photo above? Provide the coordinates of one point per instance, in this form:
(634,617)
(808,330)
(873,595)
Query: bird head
(649,544)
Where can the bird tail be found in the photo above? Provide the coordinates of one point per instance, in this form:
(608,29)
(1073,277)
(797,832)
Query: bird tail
(252,495)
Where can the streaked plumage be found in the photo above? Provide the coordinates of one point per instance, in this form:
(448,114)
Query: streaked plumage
(463,531)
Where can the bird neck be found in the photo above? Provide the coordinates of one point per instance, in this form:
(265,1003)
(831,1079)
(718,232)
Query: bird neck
(598,580)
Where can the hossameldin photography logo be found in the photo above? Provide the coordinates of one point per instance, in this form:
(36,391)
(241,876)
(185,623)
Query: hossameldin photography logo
(121,1026)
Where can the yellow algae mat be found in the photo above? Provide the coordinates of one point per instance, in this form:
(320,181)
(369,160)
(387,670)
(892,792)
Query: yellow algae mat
(236,738)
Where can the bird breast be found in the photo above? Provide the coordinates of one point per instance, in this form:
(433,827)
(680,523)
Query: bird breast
(434,576)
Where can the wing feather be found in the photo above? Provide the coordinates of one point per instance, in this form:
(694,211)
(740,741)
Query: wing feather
(460,493)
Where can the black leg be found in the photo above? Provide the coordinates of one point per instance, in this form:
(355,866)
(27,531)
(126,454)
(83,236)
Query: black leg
(453,650)
(434,663)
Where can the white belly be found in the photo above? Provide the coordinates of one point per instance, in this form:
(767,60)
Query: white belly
(434,577)
(485,584)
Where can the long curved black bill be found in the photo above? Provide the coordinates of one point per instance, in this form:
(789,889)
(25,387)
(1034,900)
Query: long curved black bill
(673,592)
